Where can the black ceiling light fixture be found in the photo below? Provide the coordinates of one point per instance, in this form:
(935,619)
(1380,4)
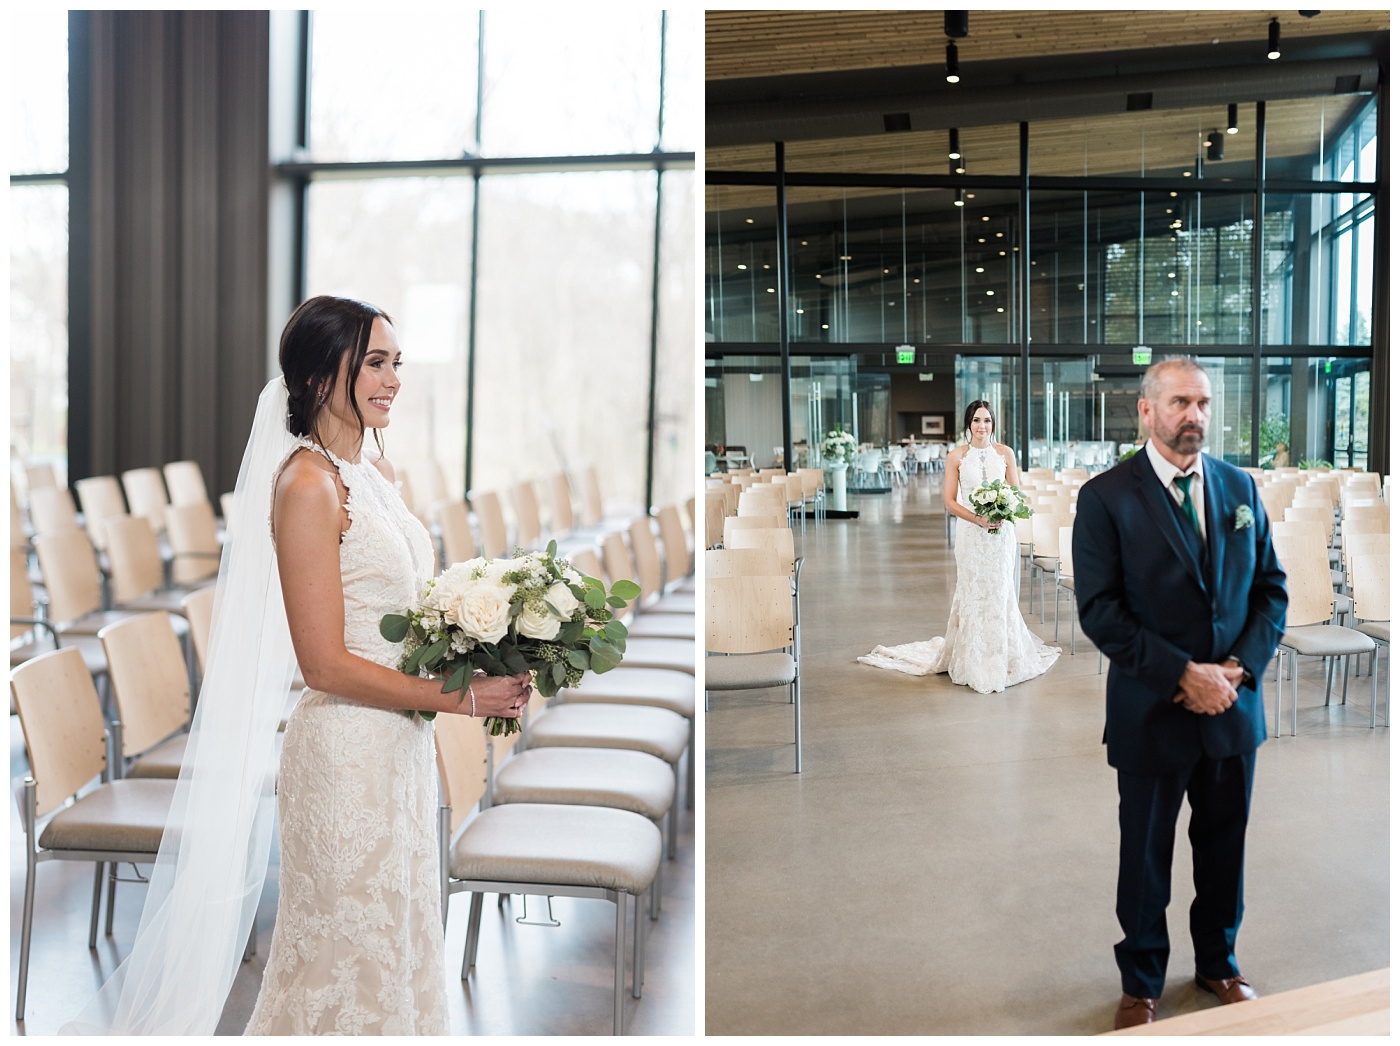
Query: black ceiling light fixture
(952,76)
(1233,126)
(954,153)
(958,199)
(955,24)
(1274,52)
(1215,146)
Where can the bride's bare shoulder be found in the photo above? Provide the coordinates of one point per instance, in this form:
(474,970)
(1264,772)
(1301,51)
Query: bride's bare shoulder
(957,453)
(307,483)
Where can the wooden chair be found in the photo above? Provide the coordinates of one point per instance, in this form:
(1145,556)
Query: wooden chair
(19,530)
(561,505)
(138,572)
(1308,630)
(528,529)
(777,540)
(714,518)
(145,494)
(542,849)
(74,584)
(32,635)
(679,574)
(199,612)
(454,525)
(733,524)
(193,533)
(151,690)
(654,598)
(50,509)
(1045,538)
(429,484)
(116,821)
(490,522)
(101,499)
(743,562)
(585,481)
(750,619)
(39,475)
(1372,610)
(185,483)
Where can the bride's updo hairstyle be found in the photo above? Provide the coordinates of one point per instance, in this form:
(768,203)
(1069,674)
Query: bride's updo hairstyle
(323,331)
(971,410)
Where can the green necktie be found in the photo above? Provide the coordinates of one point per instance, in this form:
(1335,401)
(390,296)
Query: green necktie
(1183,484)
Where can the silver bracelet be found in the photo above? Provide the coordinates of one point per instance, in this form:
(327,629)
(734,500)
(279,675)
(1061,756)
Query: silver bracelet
(472,693)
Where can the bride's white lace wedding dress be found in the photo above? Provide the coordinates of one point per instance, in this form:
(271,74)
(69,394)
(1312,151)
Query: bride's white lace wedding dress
(987,645)
(358,946)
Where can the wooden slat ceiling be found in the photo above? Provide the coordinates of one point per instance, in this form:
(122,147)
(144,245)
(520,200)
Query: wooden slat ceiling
(1120,144)
(779,43)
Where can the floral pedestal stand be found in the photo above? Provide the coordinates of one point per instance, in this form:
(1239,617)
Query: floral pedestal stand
(838,486)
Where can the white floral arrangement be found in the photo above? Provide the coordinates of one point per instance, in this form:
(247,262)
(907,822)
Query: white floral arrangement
(531,613)
(838,446)
(998,501)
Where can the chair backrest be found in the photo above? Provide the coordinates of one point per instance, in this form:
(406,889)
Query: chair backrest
(1317,513)
(194,539)
(1276,501)
(763,501)
(742,562)
(1045,532)
(461,759)
(71,575)
(587,561)
(922,453)
(185,482)
(615,558)
(145,494)
(812,481)
(150,682)
(746,615)
(61,718)
(527,514)
(644,554)
(134,556)
(199,612)
(490,522)
(50,509)
(17,537)
(561,504)
(21,592)
(1372,588)
(767,474)
(454,523)
(732,524)
(1378,512)
(227,502)
(714,518)
(40,475)
(678,555)
(1310,530)
(1310,597)
(1364,545)
(1025,533)
(590,496)
(1067,551)
(775,539)
(1364,481)
(101,499)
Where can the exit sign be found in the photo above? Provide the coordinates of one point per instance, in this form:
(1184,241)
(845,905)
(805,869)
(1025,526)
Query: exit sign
(904,355)
(1142,356)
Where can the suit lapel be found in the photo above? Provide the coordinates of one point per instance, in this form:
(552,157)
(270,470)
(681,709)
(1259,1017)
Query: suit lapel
(1161,508)
(1220,519)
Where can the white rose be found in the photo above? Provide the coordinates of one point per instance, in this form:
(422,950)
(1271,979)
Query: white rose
(482,612)
(561,599)
(537,624)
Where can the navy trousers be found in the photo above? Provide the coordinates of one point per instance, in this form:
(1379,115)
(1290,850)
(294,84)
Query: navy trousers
(1218,791)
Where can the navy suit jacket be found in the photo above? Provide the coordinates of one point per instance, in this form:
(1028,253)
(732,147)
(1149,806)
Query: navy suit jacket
(1151,604)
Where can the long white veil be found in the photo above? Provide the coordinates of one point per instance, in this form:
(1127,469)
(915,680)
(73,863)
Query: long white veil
(205,884)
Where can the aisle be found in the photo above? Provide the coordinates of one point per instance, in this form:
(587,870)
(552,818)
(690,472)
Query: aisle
(945,863)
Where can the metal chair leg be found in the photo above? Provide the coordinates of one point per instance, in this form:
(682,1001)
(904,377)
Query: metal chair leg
(638,953)
(797,719)
(619,946)
(96,903)
(473,931)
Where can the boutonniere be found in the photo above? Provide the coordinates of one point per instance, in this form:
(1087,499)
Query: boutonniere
(1244,517)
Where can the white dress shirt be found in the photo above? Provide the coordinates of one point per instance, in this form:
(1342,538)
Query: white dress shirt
(1168,473)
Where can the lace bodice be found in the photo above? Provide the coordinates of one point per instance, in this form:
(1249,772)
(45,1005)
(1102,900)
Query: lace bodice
(386,557)
(978,466)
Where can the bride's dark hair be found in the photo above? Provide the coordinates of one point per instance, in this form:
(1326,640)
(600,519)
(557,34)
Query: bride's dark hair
(323,331)
(972,409)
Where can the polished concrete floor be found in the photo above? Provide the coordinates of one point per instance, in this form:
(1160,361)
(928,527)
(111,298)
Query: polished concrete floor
(945,862)
(529,979)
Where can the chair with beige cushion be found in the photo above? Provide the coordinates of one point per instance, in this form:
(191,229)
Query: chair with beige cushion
(63,817)
(193,533)
(679,573)
(74,584)
(1308,631)
(50,509)
(138,572)
(526,504)
(184,480)
(151,691)
(145,494)
(32,635)
(654,598)
(490,522)
(750,640)
(542,849)
(1372,610)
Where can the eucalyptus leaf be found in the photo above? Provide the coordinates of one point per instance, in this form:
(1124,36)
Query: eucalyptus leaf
(457,680)
(559,673)
(578,658)
(617,601)
(595,598)
(551,548)
(393,627)
(615,630)
(626,589)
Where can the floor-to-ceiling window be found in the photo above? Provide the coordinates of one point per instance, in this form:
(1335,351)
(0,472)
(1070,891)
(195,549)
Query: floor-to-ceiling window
(38,233)
(519,205)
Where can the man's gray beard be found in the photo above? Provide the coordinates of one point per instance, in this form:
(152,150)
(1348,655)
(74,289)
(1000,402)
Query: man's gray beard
(1176,443)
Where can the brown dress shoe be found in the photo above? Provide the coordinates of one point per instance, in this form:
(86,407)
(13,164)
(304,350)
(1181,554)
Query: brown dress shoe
(1231,989)
(1133,1011)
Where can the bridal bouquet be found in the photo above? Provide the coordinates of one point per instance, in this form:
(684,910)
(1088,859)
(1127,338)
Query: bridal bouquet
(838,446)
(532,613)
(999,501)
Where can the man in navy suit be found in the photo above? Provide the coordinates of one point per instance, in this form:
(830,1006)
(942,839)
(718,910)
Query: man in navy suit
(1177,583)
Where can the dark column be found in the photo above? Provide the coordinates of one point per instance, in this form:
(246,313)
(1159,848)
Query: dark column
(784,280)
(1378,459)
(1256,310)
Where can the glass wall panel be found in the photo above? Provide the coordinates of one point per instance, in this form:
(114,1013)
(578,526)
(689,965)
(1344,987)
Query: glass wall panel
(684,82)
(563,328)
(741,255)
(38,75)
(39,325)
(994,379)
(1151,143)
(1316,409)
(402,244)
(1318,269)
(587,86)
(675,462)
(386,88)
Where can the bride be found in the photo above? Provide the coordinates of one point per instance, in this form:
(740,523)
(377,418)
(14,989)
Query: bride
(357,947)
(988,646)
